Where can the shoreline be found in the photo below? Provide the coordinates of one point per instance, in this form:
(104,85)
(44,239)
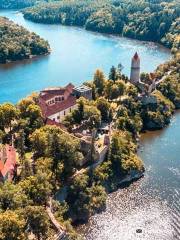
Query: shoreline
(110,35)
(128,179)
(31,57)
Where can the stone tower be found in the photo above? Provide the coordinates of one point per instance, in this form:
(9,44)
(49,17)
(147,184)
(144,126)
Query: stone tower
(135,69)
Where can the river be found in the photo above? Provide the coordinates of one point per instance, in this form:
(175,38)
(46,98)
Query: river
(150,204)
(76,54)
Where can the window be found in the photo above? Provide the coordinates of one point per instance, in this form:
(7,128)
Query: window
(70,109)
(58,117)
(64,113)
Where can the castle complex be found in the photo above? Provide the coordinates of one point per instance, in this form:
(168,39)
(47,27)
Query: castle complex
(57,102)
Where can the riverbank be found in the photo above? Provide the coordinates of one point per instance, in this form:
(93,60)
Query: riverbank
(111,35)
(72,49)
(86,195)
(121,18)
(150,204)
(17,43)
(30,57)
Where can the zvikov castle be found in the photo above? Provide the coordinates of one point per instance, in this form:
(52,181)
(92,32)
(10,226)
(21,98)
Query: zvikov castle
(57,102)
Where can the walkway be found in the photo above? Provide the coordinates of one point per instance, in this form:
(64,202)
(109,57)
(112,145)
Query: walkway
(61,231)
(163,78)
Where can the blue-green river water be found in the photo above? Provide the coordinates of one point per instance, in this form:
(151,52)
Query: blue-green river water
(76,54)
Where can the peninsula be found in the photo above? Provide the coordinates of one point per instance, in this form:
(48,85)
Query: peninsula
(65,148)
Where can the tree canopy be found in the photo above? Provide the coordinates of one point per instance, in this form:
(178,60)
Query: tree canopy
(17,43)
(145,20)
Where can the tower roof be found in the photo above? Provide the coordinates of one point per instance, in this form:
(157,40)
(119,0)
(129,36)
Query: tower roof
(136,56)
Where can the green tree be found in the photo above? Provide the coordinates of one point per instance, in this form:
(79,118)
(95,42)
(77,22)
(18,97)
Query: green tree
(37,187)
(12,226)
(8,113)
(17,43)
(121,87)
(104,107)
(92,116)
(37,221)
(113,75)
(84,199)
(39,141)
(78,198)
(20,144)
(99,81)
(97,197)
(12,196)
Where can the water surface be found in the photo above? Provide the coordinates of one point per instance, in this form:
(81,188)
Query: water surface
(76,54)
(151,204)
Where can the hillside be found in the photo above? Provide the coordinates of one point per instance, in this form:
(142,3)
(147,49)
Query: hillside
(144,20)
(18,4)
(17,43)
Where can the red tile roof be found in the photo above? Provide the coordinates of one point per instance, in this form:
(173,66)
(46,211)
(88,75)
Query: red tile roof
(69,100)
(48,110)
(61,106)
(10,163)
(1,165)
(49,93)
(136,56)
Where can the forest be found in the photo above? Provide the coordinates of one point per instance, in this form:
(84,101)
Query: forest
(17,43)
(18,4)
(153,20)
(8,4)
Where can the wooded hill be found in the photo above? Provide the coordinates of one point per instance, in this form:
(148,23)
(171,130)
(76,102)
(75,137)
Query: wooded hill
(152,20)
(17,43)
(18,4)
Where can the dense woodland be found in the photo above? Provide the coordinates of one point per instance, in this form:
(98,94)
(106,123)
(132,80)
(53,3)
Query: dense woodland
(8,4)
(18,4)
(17,43)
(145,20)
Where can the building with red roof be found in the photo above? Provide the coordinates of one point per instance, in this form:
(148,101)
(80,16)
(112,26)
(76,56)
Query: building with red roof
(57,102)
(8,164)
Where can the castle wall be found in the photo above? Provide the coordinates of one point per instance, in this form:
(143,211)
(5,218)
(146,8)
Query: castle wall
(135,75)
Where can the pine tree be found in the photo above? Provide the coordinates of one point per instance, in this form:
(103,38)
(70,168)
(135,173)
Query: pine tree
(113,74)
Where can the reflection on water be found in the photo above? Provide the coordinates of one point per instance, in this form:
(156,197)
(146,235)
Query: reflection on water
(150,208)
